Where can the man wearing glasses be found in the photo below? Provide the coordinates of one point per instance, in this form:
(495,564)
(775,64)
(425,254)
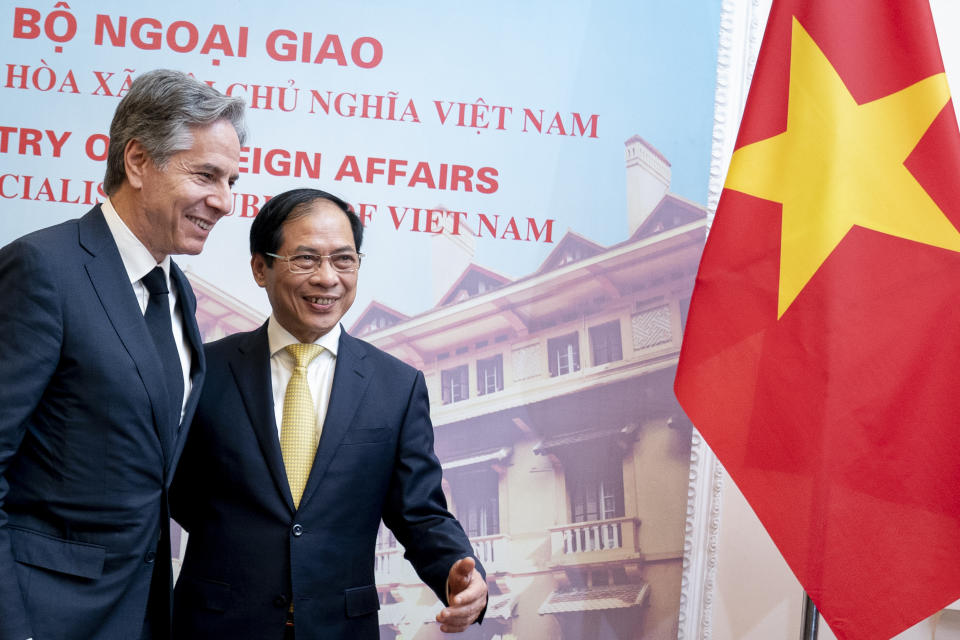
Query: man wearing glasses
(305,437)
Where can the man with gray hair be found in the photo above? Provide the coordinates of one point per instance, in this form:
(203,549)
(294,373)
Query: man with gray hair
(101,365)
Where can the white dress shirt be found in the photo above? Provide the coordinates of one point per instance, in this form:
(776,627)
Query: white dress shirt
(138,262)
(319,371)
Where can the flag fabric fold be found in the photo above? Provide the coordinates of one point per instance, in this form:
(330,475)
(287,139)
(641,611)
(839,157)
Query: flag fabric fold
(821,348)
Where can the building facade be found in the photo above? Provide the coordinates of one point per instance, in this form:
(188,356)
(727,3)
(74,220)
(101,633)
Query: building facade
(565,456)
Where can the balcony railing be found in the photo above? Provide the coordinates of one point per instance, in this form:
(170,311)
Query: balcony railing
(492,551)
(390,567)
(602,536)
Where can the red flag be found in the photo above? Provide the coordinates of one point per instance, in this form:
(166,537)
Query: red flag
(821,352)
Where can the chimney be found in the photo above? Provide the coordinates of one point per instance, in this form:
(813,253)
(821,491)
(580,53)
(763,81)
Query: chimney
(648,180)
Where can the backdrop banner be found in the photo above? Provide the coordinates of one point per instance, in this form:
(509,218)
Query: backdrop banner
(533,180)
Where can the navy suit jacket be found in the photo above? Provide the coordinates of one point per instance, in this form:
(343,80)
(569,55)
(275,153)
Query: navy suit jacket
(88,440)
(250,552)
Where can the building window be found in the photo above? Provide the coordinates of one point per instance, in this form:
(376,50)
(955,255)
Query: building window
(455,384)
(571,255)
(476,499)
(596,492)
(564,354)
(490,375)
(605,343)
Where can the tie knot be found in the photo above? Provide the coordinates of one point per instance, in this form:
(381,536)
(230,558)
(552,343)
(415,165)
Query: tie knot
(304,353)
(155,282)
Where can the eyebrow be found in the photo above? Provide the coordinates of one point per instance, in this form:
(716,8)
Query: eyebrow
(212,168)
(305,249)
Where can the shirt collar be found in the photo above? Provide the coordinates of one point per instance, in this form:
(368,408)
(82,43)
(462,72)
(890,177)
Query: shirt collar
(136,258)
(278,337)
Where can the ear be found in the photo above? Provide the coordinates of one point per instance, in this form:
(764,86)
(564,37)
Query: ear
(258,264)
(135,163)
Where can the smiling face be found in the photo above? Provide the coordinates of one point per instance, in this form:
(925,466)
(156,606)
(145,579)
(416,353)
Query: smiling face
(309,305)
(176,206)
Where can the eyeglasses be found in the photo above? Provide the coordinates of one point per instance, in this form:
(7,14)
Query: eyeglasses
(345,262)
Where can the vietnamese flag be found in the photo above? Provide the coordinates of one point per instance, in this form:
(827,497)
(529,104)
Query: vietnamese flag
(821,360)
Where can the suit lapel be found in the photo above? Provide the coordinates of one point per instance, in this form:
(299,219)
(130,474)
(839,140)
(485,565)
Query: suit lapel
(350,379)
(110,281)
(188,311)
(250,366)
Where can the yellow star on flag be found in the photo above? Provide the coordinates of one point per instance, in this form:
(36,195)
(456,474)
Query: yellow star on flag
(840,164)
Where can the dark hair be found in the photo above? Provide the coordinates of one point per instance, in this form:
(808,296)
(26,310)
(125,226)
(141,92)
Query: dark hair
(160,110)
(266,232)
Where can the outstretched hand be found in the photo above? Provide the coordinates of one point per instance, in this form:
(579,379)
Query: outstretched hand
(467,594)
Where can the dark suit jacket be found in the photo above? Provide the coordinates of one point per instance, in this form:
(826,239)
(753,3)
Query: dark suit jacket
(250,552)
(88,441)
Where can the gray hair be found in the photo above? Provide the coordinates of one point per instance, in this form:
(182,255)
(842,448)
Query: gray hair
(160,110)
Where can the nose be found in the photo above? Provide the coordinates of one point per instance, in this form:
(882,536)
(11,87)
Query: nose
(221,198)
(325,274)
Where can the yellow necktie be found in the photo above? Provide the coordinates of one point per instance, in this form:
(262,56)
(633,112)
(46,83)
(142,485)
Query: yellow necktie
(298,428)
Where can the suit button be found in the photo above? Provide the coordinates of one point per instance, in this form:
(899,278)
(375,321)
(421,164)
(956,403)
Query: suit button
(281,601)
(149,557)
(297,530)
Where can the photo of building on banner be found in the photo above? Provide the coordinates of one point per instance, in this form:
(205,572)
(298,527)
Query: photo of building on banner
(533,185)
(819,354)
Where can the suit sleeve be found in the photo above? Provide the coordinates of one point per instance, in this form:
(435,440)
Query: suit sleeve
(185,481)
(30,337)
(416,510)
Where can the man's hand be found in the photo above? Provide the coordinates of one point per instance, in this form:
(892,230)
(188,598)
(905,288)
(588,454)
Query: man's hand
(467,594)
